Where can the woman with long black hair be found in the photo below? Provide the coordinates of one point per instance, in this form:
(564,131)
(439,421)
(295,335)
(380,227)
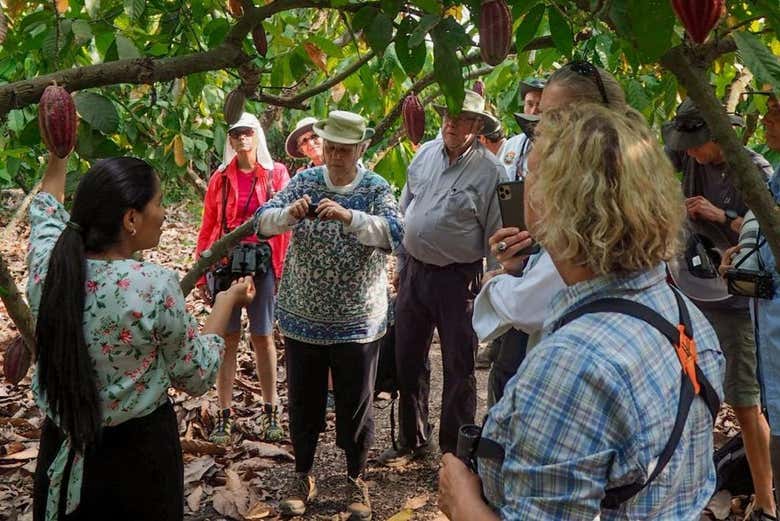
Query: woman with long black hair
(113,336)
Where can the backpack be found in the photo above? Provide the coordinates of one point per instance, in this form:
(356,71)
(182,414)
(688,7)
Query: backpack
(731,466)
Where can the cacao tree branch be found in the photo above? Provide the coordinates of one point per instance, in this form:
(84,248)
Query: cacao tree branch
(16,307)
(737,89)
(217,250)
(741,170)
(19,213)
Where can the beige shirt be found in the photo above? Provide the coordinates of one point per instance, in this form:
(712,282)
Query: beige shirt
(450,211)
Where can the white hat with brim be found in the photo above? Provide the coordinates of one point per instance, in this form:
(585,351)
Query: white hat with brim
(474,104)
(291,143)
(247,120)
(343,127)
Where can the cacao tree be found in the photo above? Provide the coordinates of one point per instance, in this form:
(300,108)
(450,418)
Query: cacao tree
(157,79)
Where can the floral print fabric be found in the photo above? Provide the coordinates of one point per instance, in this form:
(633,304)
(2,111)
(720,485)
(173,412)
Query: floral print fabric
(140,338)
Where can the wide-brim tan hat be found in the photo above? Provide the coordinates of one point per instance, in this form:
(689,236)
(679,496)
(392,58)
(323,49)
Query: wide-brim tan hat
(343,127)
(291,143)
(474,104)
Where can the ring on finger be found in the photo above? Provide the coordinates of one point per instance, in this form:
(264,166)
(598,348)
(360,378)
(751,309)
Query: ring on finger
(502,246)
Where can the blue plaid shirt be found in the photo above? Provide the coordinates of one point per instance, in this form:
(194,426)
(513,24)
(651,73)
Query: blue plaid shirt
(591,408)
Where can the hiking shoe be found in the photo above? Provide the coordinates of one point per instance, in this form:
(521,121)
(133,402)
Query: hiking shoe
(331,403)
(302,492)
(270,430)
(223,428)
(402,456)
(359,505)
(758,514)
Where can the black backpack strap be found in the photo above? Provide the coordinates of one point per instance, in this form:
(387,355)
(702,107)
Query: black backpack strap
(692,378)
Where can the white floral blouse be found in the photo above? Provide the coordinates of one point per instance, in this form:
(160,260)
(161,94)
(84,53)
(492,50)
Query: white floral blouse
(139,335)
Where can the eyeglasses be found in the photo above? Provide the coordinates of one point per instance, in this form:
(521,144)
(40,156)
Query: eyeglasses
(238,132)
(584,68)
(307,139)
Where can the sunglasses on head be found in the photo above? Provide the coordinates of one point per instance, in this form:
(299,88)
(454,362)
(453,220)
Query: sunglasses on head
(584,68)
(238,132)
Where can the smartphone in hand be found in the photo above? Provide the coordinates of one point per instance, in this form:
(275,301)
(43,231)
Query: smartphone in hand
(511,205)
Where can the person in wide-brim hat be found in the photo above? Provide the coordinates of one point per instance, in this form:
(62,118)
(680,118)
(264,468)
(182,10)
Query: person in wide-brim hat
(291,143)
(343,127)
(531,84)
(474,104)
(527,123)
(688,129)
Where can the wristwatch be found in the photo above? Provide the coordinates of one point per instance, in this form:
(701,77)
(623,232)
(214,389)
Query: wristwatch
(730,216)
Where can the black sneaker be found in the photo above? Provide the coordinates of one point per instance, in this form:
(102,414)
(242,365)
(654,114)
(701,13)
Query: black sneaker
(758,514)
(402,456)
(302,492)
(359,504)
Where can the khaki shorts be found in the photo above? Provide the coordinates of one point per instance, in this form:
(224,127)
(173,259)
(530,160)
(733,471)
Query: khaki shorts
(735,333)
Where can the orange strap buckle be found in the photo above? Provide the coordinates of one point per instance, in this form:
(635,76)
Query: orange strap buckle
(686,352)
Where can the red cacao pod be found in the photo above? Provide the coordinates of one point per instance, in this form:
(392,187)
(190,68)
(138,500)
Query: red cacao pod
(495,31)
(16,360)
(57,120)
(698,16)
(260,39)
(479,88)
(235,8)
(414,118)
(234,106)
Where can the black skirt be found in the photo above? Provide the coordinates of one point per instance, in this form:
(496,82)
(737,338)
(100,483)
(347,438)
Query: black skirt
(134,473)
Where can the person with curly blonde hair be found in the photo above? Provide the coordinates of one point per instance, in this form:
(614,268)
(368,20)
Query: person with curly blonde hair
(588,413)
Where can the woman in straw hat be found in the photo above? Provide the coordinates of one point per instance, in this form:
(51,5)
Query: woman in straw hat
(246,179)
(332,303)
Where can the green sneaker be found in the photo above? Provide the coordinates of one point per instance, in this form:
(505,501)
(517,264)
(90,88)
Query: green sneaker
(223,428)
(270,430)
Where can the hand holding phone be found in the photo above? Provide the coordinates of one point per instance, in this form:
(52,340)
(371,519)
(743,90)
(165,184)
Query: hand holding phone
(511,205)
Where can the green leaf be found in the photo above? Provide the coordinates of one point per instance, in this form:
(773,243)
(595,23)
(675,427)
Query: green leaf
(134,8)
(758,58)
(427,23)
(49,47)
(560,31)
(528,27)
(215,31)
(363,17)
(390,7)
(429,6)
(82,32)
(97,110)
(412,58)
(379,33)
(125,47)
(771,10)
(447,71)
(648,25)
(456,34)
(195,84)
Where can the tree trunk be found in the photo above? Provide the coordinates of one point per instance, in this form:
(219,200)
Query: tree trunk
(16,307)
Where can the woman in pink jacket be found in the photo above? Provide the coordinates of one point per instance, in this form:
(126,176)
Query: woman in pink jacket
(246,179)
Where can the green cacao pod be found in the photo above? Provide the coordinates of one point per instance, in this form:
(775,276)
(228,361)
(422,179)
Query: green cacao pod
(413,115)
(234,106)
(495,31)
(261,40)
(57,120)
(16,360)
(698,16)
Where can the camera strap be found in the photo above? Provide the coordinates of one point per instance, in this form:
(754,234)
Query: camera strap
(693,382)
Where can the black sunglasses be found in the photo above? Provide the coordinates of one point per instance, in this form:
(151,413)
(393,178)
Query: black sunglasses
(584,68)
(242,131)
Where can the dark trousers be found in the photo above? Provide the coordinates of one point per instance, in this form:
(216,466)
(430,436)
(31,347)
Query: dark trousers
(440,297)
(353,367)
(508,353)
(136,472)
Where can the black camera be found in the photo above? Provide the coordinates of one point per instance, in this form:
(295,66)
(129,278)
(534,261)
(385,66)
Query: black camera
(750,283)
(244,260)
(702,257)
(311,213)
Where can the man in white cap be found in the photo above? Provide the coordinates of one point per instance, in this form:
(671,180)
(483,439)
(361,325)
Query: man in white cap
(303,142)
(332,303)
(245,180)
(450,210)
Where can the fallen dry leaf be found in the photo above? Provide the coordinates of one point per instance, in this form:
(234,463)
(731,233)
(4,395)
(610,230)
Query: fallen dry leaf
(402,515)
(416,502)
(26,454)
(266,450)
(258,511)
(720,505)
(232,500)
(195,469)
(193,499)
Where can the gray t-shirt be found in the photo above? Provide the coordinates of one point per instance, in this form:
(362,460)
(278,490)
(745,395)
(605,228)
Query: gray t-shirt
(712,182)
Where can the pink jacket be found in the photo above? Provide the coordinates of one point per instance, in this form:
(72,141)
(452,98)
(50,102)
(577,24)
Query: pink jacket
(211,227)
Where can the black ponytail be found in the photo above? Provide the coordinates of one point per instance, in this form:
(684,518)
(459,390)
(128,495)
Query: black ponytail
(65,370)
